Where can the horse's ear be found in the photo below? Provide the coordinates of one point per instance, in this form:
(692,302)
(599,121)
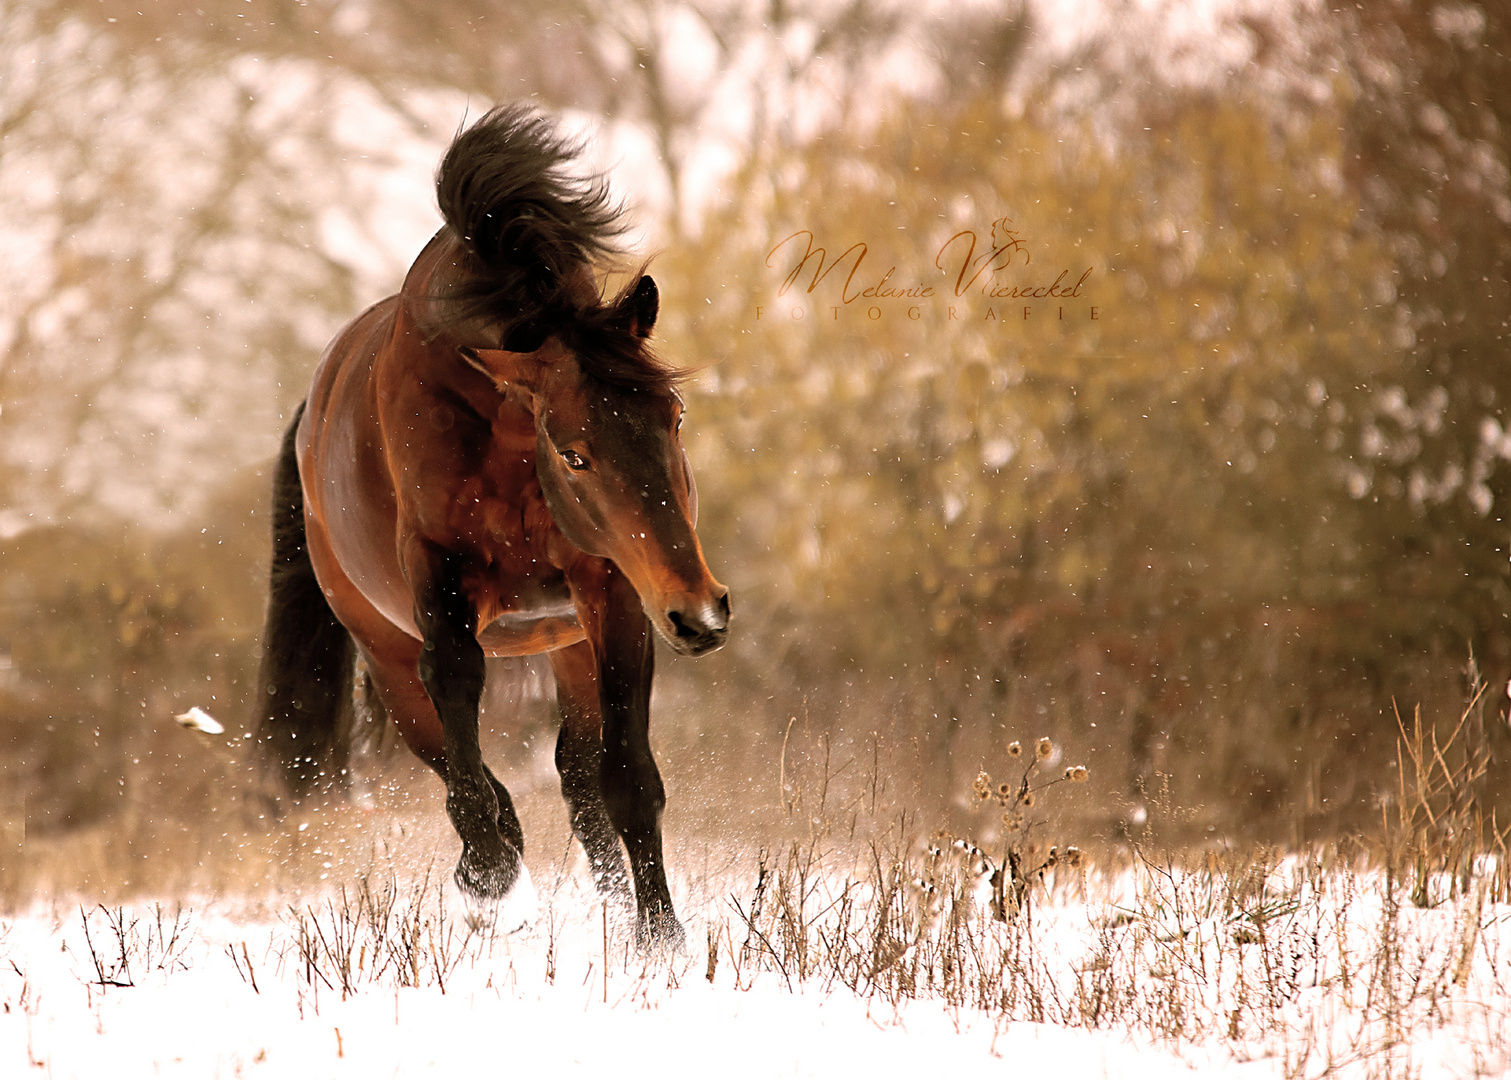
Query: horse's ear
(641,307)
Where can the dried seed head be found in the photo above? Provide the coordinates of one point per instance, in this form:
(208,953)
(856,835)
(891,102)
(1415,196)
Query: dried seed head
(1013,819)
(1076,774)
(982,786)
(1004,789)
(1073,857)
(1015,749)
(1044,749)
(1027,800)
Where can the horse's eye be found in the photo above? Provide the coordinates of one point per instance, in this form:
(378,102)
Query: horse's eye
(575,461)
(679,423)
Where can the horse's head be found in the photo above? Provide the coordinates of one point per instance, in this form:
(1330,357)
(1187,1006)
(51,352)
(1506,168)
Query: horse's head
(509,280)
(612,467)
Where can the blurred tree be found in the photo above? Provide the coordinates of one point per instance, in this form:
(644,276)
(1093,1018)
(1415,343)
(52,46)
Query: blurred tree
(1427,154)
(998,502)
(166,287)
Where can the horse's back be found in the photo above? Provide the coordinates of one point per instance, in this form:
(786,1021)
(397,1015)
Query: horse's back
(349,358)
(350,507)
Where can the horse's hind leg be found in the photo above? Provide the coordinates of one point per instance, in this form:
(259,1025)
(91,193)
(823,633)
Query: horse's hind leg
(579,760)
(415,721)
(414,716)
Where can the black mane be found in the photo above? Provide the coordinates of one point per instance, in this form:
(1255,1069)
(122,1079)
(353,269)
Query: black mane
(529,227)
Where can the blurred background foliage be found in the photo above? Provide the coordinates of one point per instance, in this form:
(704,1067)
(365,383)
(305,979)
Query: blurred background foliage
(1208,539)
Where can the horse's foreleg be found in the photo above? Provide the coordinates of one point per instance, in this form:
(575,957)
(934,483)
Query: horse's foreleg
(632,788)
(579,760)
(451,669)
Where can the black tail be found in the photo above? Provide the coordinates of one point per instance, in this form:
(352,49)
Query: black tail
(305,684)
(505,190)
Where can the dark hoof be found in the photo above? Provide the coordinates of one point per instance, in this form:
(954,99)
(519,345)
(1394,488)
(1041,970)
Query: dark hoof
(486,906)
(515,911)
(488,880)
(660,933)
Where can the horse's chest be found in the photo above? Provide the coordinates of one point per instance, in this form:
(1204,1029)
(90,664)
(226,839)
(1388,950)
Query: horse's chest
(520,592)
(524,607)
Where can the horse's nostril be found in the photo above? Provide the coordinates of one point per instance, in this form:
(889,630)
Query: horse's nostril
(700,622)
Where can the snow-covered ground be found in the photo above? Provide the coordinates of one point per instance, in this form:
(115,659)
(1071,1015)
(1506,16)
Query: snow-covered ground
(501,1014)
(1316,976)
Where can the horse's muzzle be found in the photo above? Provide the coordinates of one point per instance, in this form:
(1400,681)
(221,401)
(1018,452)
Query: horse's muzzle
(699,628)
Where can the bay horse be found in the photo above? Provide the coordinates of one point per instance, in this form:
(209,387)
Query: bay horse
(489,464)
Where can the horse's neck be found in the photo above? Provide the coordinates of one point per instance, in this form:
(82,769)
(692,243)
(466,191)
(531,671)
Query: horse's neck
(439,264)
(422,296)
(514,375)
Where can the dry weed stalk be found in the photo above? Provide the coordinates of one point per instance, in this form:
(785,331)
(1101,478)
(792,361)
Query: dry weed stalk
(1022,861)
(1441,837)
(1311,958)
(375,938)
(145,944)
